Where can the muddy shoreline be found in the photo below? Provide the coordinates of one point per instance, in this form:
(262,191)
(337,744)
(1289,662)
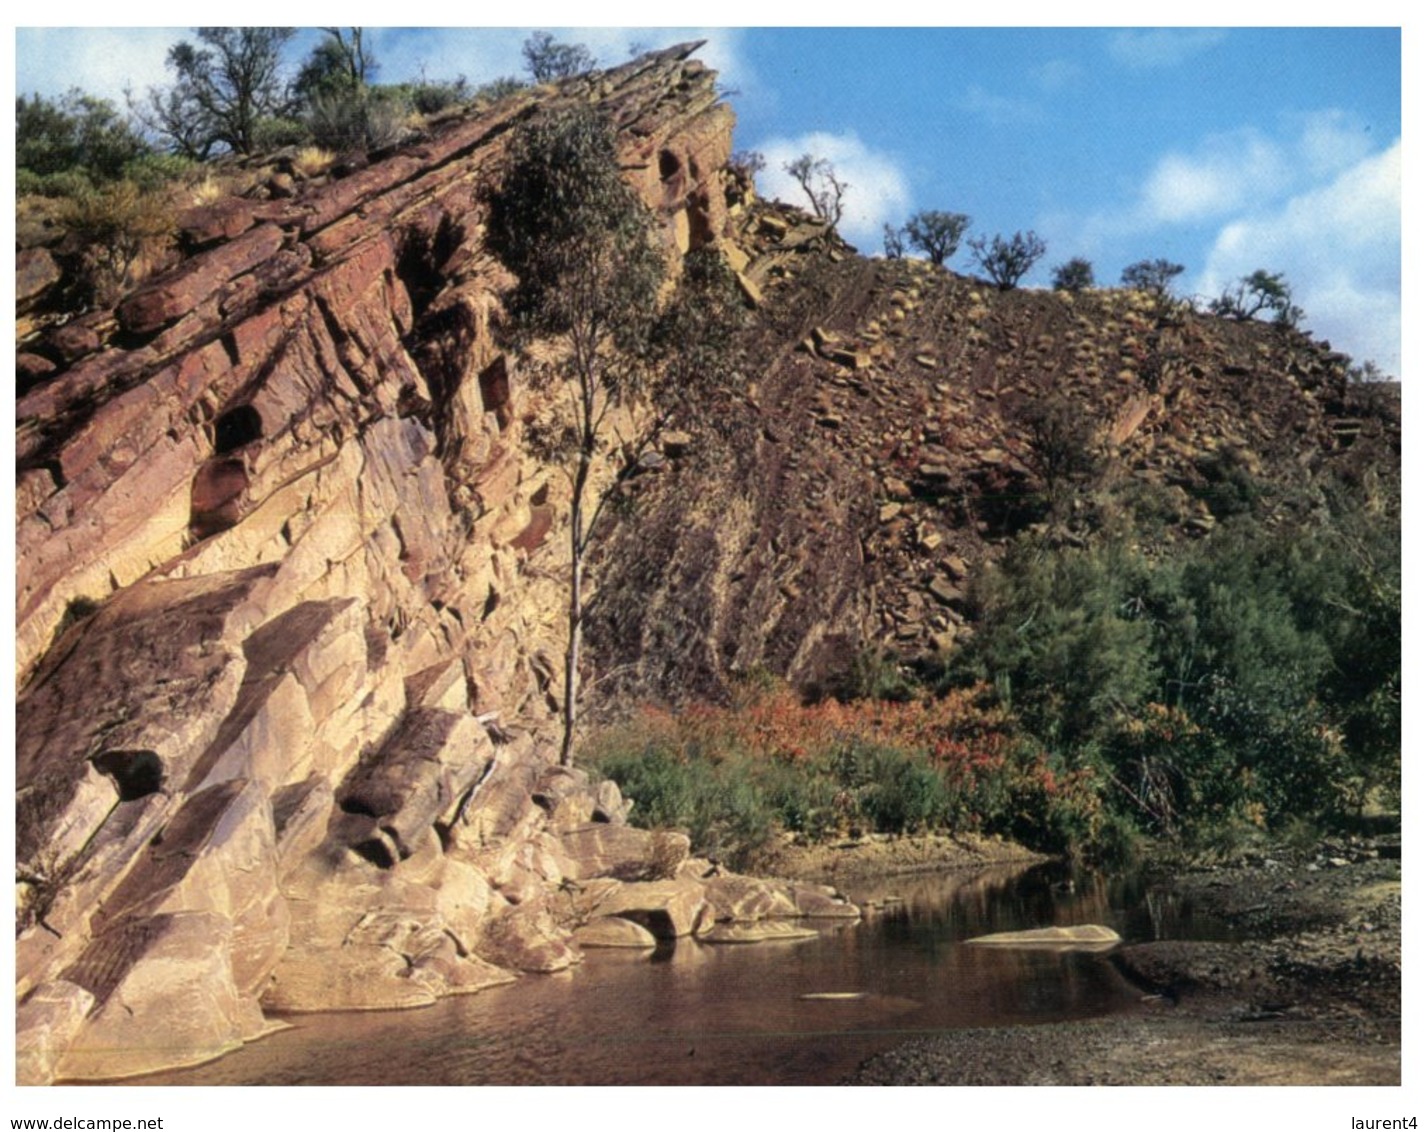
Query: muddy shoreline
(1307,993)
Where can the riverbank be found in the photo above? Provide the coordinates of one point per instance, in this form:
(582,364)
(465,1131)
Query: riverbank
(1308,993)
(879,855)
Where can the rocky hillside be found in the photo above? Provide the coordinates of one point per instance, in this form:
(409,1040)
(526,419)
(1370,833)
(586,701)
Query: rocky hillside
(288,617)
(290,610)
(896,435)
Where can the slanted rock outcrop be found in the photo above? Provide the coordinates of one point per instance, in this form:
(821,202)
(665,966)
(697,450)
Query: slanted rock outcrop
(893,439)
(288,616)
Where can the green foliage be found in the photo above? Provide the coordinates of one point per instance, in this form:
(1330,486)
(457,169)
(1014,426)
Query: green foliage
(1259,292)
(223,87)
(1253,676)
(1073,275)
(152,171)
(497,89)
(576,236)
(432,97)
(69,183)
(901,792)
(1007,261)
(362,119)
(342,62)
(829,769)
(1065,450)
(695,345)
(117,224)
(1152,276)
(1230,488)
(1056,639)
(548,60)
(580,243)
(75,140)
(278,133)
(726,816)
(936,233)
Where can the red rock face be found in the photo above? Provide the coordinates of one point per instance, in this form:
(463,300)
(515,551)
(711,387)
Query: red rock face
(285,665)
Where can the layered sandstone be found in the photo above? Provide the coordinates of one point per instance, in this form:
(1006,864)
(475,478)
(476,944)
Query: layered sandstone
(288,619)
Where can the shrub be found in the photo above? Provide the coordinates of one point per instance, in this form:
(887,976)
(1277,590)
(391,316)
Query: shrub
(1256,292)
(67,183)
(1073,275)
(819,182)
(278,132)
(118,224)
(313,160)
(936,233)
(894,246)
(153,171)
(497,89)
(363,120)
(1152,276)
(548,60)
(770,762)
(430,97)
(74,134)
(1007,261)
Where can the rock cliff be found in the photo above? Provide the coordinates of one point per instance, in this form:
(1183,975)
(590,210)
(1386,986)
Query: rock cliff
(290,609)
(288,623)
(903,423)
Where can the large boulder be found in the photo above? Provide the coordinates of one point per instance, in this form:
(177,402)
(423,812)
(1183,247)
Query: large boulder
(668,909)
(164,996)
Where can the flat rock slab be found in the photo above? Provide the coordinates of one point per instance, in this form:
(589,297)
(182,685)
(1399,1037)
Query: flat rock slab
(1081,937)
(614,931)
(756,933)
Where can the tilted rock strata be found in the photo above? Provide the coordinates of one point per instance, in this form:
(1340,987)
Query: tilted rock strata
(288,619)
(882,453)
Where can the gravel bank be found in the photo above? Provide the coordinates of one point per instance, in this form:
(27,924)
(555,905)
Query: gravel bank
(1309,993)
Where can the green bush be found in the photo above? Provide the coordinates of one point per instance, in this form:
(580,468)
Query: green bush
(67,183)
(902,793)
(361,120)
(155,170)
(74,134)
(273,133)
(1252,676)
(727,816)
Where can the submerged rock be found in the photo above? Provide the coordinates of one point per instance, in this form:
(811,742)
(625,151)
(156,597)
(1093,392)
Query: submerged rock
(1081,937)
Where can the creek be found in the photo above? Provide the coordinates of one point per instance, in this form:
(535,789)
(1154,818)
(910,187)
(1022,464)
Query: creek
(740,1014)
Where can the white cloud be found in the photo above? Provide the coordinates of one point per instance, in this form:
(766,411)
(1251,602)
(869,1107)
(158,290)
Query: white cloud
(877,193)
(1339,248)
(998,109)
(104,61)
(101,61)
(1161,47)
(1332,140)
(1226,172)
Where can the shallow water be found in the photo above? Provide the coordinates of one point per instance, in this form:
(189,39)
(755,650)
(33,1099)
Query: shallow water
(693,1013)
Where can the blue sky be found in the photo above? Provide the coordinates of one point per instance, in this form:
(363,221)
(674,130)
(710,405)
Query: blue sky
(1226,149)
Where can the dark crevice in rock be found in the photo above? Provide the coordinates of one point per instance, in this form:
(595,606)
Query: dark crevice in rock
(136,774)
(238,426)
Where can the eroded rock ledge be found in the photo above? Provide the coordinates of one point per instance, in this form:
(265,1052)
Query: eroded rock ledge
(287,623)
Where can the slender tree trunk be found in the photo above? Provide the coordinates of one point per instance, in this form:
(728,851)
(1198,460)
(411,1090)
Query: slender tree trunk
(572,659)
(576,610)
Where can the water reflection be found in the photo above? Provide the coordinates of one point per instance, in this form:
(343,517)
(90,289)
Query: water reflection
(798,1011)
